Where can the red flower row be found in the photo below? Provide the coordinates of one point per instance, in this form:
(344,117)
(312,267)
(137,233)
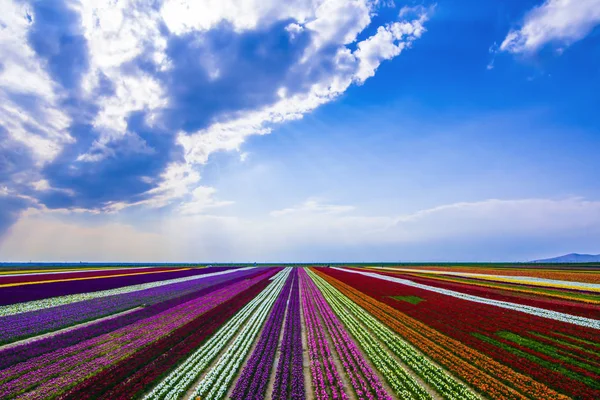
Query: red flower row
(459,319)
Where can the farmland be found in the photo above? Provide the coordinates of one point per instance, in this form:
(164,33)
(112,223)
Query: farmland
(310,332)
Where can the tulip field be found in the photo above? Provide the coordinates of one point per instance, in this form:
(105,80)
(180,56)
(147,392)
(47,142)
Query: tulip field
(300,332)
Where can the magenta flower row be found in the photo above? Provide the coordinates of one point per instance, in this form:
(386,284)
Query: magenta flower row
(289,377)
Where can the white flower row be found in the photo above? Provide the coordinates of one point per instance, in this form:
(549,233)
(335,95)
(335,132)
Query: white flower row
(176,384)
(405,386)
(216,382)
(355,317)
(73,298)
(540,312)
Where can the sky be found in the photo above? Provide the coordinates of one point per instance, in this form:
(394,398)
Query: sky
(299,131)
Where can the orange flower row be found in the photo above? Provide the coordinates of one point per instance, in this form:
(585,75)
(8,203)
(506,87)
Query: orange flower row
(481,372)
(562,275)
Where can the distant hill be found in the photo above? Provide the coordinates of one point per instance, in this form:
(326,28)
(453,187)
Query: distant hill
(572,258)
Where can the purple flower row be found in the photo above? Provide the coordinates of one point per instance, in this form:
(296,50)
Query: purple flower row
(26,351)
(52,373)
(252,382)
(34,323)
(20,294)
(289,378)
(323,371)
(365,382)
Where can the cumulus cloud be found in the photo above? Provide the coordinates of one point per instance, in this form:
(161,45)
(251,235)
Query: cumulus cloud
(555,21)
(202,200)
(30,111)
(346,67)
(387,43)
(182,16)
(117,33)
(119,104)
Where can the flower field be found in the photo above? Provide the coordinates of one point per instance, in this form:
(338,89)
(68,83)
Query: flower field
(283,332)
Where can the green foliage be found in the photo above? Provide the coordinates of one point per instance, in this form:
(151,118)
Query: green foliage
(545,349)
(408,299)
(546,364)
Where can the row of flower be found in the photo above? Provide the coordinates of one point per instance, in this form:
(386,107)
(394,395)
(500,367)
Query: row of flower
(132,376)
(252,382)
(481,371)
(53,373)
(563,372)
(531,310)
(384,343)
(215,384)
(571,274)
(60,270)
(365,384)
(289,377)
(239,334)
(567,301)
(34,323)
(52,296)
(326,380)
(16,280)
(229,346)
(48,343)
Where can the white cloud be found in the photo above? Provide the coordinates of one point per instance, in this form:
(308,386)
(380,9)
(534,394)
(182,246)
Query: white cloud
(537,217)
(294,29)
(183,16)
(313,205)
(387,43)
(8,192)
(339,21)
(560,21)
(42,129)
(202,200)
(133,93)
(230,134)
(116,33)
(175,183)
(44,186)
(41,185)
(311,225)
(407,11)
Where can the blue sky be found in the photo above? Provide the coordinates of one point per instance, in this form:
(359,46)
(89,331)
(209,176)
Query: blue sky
(334,130)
